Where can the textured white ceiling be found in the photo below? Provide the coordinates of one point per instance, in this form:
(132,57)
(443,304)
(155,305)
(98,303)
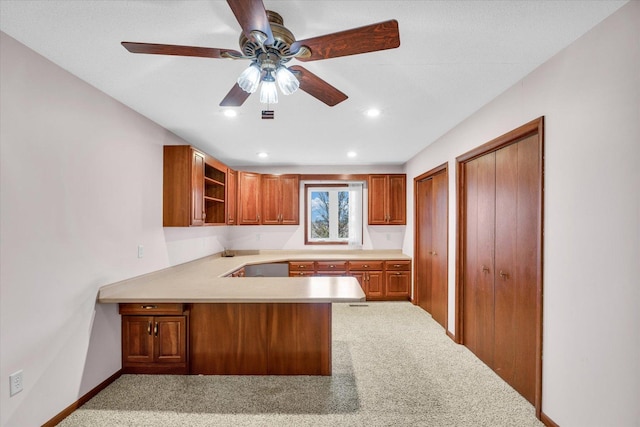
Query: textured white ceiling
(454,57)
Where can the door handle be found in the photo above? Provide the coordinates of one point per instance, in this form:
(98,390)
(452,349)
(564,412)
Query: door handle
(485,269)
(149,328)
(504,275)
(155,329)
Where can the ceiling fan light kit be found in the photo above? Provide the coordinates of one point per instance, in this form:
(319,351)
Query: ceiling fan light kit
(269,45)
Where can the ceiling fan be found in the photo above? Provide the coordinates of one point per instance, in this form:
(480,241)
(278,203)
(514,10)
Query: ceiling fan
(269,45)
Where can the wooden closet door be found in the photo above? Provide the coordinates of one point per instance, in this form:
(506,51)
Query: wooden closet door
(424,212)
(516,249)
(439,288)
(478,292)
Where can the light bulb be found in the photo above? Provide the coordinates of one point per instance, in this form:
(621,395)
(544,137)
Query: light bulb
(250,78)
(268,92)
(287,82)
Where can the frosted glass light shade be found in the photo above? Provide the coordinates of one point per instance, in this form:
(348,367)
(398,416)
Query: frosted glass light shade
(287,82)
(250,78)
(268,92)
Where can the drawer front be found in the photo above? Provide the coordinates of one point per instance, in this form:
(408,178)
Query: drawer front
(151,308)
(301,273)
(332,266)
(404,265)
(302,266)
(365,265)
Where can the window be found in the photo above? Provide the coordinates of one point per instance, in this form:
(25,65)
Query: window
(333,214)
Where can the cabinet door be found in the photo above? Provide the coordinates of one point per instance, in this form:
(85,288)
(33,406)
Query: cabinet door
(377,199)
(396,200)
(197,189)
(249,198)
(271,199)
(398,283)
(170,340)
(231,197)
(361,277)
(290,200)
(374,285)
(137,339)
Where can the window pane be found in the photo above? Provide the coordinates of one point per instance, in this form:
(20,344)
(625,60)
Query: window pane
(319,214)
(343,214)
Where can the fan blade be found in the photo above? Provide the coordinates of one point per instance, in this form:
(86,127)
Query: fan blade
(317,87)
(370,38)
(235,97)
(252,16)
(170,49)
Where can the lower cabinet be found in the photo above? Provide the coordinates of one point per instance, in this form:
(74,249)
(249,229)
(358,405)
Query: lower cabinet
(380,280)
(154,338)
(398,279)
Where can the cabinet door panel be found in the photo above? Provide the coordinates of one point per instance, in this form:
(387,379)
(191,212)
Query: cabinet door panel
(197,185)
(397,284)
(249,198)
(271,199)
(375,283)
(170,339)
(396,207)
(377,199)
(137,339)
(290,200)
(231,196)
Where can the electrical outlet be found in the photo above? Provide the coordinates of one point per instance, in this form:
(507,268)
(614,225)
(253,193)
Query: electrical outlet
(15,383)
(140,251)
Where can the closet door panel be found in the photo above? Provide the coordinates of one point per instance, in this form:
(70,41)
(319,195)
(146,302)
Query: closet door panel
(505,261)
(439,289)
(526,271)
(478,293)
(423,256)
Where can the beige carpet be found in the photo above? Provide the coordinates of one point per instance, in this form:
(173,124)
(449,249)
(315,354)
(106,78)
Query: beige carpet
(392,366)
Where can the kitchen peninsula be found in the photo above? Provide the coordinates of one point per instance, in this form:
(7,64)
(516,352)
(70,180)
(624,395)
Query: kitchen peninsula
(191,318)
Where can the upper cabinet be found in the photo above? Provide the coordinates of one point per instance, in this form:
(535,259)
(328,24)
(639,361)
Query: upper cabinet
(387,199)
(194,188)
(280,199)
(249,208)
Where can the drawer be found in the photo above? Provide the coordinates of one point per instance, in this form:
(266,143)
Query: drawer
(151,308)
(301,273)
(301,266)
(332,265)
(365,265)
(404,265)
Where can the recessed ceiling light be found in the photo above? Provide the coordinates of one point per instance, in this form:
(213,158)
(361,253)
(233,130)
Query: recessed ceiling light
(352,154)
(230,113)
(372,112)
(263,154)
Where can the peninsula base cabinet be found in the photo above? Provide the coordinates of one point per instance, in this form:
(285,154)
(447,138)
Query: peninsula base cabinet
(154,338)
(380,280)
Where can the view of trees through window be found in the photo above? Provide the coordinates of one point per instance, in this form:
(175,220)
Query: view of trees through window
(330,214)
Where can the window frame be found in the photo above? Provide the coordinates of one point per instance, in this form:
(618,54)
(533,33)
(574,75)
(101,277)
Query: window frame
(307,213)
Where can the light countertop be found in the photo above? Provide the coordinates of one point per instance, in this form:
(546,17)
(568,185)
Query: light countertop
(203,280)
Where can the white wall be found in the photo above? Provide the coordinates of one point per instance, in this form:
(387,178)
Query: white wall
(590,97)
(383,237)
(80,189)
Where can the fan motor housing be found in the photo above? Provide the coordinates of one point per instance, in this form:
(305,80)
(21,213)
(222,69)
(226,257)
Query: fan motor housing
(281,34)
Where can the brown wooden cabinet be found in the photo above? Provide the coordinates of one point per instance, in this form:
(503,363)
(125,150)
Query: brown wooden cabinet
(397,279)
(249,197)
(302,268)
(280,199)
(154,338)
(387,199)
(193,188)
(232,193)
(370,274)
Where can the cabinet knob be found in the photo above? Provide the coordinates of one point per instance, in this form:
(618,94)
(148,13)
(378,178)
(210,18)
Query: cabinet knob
(366,266)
